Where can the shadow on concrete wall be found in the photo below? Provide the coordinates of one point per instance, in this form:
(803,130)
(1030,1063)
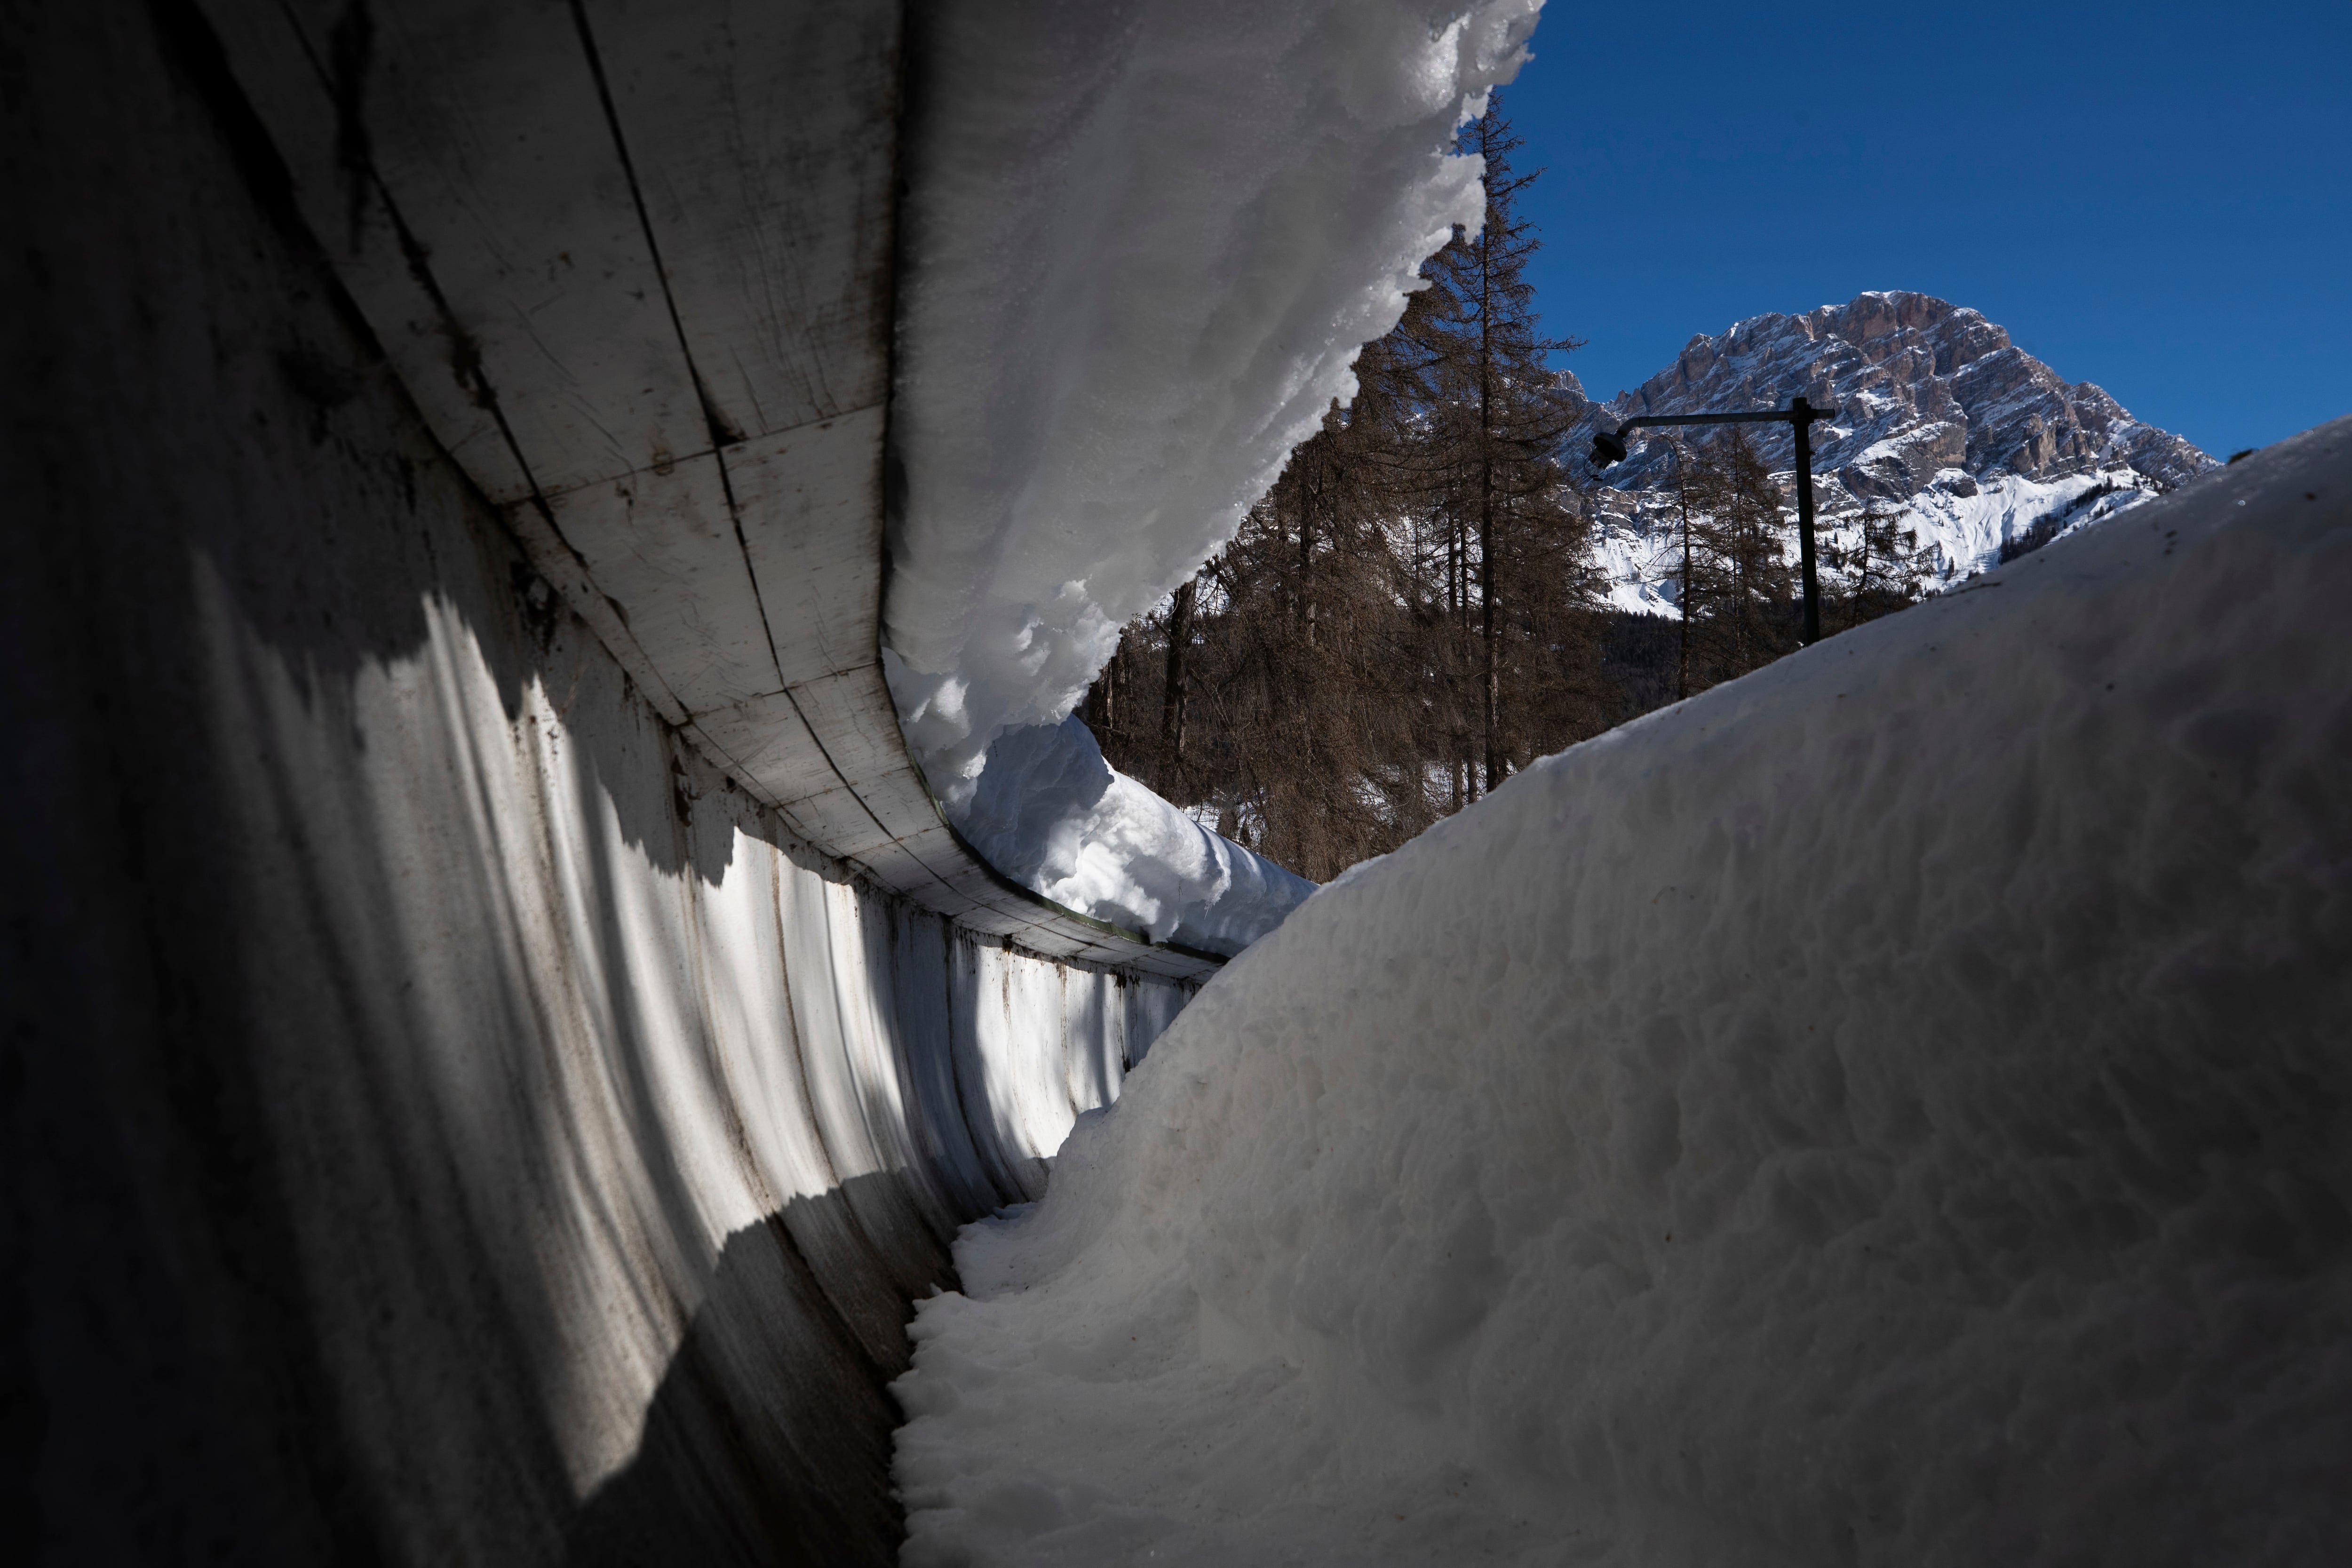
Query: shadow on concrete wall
(195,364)
(799,1474)
(279,1166)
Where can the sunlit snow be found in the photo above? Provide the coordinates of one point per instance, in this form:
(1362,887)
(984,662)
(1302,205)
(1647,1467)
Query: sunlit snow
(1889,1108)
(1959,523)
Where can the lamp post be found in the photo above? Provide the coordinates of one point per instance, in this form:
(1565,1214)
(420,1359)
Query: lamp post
(1610,447)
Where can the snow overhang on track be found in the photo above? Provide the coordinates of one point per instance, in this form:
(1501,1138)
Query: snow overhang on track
(633,264)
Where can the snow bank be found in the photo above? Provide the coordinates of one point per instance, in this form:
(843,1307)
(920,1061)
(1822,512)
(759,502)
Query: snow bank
(1893,1108)
(1052,814)
(1143,243)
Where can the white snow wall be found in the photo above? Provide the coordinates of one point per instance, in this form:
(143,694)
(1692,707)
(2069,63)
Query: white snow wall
(445,1123)
(1142,243)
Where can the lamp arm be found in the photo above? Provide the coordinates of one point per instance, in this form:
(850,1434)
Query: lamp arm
(1803,410)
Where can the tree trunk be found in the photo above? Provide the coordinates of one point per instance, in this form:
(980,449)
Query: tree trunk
(1172,696)
(1682,485)
(1305,556)
(1490,676)
(1740,536)
(1490,680)
(1099,704)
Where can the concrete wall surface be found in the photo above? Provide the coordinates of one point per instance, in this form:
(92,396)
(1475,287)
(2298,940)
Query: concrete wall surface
(447,1120)
(634,261)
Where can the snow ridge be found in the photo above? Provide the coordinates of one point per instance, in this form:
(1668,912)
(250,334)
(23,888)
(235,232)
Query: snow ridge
(1890,1108)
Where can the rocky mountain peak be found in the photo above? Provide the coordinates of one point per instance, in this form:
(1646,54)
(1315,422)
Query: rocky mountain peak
(1938,415)
(1922,387)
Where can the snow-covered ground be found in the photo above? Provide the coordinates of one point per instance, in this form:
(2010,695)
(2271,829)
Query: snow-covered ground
(1143,242)
(1892,1108)
(1960,524)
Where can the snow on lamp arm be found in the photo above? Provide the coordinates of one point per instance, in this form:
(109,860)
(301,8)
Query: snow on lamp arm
(1609,446)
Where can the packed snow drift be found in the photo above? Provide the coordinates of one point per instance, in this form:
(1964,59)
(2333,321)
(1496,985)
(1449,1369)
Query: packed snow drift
(1143,244)
(1892,1108)
(1051,814)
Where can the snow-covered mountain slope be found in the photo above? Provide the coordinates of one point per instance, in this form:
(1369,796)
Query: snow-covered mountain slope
(1889,1108)
(1941,419)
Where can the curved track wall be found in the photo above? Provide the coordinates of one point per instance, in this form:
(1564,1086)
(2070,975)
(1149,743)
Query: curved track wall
(632,259)
(448,1118)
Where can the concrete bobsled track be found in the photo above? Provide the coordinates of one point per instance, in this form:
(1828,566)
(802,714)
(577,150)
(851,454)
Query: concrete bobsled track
(495,1035)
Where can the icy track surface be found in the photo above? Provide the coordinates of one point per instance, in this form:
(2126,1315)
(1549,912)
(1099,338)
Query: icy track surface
(1144,241)
(1893,1109)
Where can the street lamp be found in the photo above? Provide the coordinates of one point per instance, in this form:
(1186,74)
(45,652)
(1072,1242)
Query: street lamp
(1610,447)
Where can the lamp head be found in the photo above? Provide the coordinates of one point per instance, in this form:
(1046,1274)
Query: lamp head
(1607,449)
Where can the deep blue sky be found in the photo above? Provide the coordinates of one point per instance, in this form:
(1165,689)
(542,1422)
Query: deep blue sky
(2157,198)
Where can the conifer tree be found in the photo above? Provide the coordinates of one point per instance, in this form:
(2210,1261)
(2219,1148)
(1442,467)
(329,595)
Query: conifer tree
(1744,615)
(1175,697)
(1502,416)
(1410,613)
(1877,572)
